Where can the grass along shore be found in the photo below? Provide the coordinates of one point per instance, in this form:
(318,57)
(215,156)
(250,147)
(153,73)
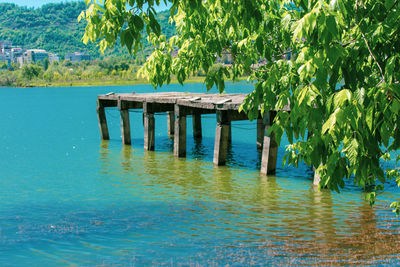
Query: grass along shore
(81,83)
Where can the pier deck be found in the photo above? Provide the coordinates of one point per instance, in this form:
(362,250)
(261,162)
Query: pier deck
(179,105)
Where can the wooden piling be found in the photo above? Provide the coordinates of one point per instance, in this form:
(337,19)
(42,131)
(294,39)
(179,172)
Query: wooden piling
(270,147)
(196,119)
(149,127)
(260,133)
(180,132)
(125,124)
(179,105)
(101,115)
(221,138)
(229,132)
(171,122)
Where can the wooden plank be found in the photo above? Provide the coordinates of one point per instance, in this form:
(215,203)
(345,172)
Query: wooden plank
(180,132)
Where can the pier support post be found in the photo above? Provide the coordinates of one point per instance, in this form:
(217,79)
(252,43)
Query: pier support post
(270,147)
(171,122)
(125,124)
(229,132)
(149,127)
(101,115)
(180,132)
(260,133)
(196,119)
(221,138)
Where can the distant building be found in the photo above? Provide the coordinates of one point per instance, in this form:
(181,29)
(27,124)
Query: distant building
(5,57)
(35,55)
(5,46)
(77,57)
(16,52)
(53,58)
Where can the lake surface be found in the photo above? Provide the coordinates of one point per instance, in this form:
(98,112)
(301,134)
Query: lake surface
(67,198)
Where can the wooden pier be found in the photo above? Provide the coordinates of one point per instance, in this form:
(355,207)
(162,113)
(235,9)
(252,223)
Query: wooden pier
(180,105)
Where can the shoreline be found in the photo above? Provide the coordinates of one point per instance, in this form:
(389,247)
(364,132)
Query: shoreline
(87,83)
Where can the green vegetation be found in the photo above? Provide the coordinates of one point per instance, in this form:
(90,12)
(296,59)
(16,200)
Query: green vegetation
(336,63)
(67,72)
(54,27)
(109,71)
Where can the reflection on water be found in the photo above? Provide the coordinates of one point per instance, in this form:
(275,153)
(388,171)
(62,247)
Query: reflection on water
(68,199)
(238,216)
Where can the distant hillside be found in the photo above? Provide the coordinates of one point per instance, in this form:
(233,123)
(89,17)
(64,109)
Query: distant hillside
(54,27)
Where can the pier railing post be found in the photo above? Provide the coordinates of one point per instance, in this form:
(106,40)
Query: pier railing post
(270,147)
(171,122)
(180,131)
(196,119)
(125,124)
(149,127)
(101,115)
(221,138)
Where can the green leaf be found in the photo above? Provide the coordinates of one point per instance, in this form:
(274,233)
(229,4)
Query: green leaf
(260,45)
(329,124)
(341,97)
(389,4)
(331,25)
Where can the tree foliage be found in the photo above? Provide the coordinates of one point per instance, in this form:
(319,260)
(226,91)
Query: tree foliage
(336,63)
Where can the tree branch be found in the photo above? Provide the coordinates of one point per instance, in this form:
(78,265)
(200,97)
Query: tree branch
(366,43)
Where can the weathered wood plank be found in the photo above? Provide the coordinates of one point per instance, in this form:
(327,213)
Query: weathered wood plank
(149,127)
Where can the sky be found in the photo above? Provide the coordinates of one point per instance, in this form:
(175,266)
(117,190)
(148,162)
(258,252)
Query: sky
(39,3)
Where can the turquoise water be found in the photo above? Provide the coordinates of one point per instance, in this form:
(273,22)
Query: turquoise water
(67,198)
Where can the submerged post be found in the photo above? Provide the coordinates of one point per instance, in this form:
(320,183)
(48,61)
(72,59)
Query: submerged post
(149,127)
(180,132)
(101,115)
(270,147)
(221,138)
(196,119)
(125,124)
(171,122)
